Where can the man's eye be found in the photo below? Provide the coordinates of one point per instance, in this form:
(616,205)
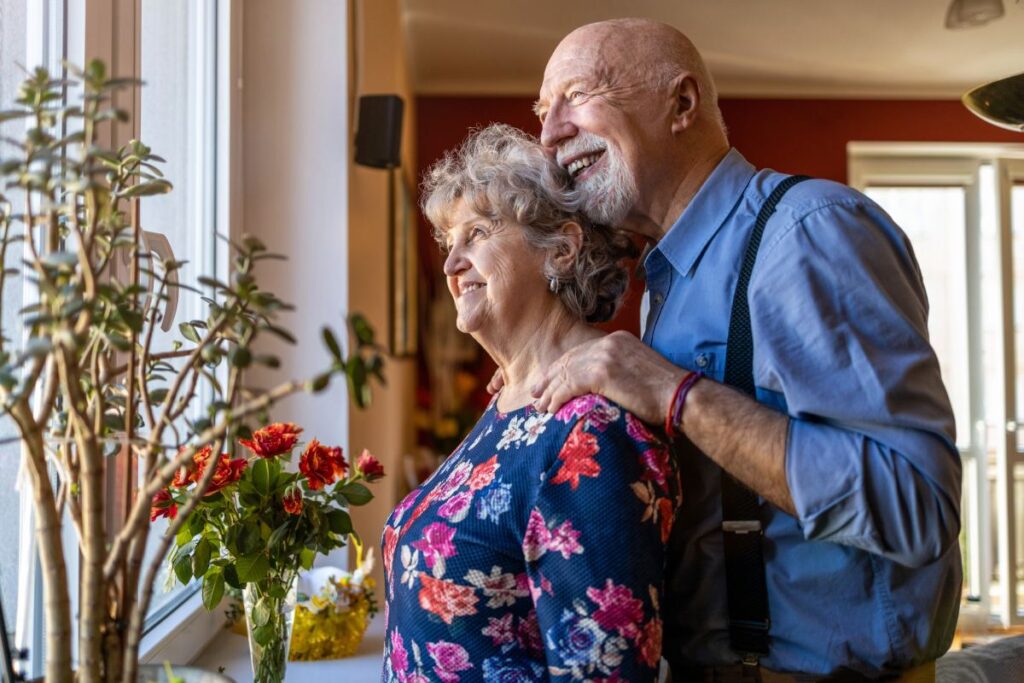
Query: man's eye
(475,232)
(576,96)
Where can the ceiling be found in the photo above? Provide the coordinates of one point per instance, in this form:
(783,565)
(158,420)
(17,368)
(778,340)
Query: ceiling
(755,48)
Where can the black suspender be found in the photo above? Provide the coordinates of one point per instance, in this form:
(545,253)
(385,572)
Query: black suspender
(741,524)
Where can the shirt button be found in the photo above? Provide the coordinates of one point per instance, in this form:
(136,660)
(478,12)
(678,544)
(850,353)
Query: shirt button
(702,361)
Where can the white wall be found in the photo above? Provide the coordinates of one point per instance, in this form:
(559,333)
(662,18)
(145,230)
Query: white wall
(295,187)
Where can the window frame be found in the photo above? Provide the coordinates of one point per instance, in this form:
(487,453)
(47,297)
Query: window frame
(959,164)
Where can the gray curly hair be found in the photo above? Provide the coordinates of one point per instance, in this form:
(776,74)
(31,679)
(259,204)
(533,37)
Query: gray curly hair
(505,175)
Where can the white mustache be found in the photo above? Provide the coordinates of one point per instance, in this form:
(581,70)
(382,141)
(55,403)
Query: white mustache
(584,141)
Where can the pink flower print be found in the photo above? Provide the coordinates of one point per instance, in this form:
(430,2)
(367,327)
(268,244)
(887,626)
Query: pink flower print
(449,659)
(483,474)
(656,465)
(577,407)
(565,540)
(602,414)
(436,543)
(529,634)
(500,630)
(457,478)
(390,542)
(416,677)
(457,507)
(618,609)
(404,506)
(535,541)
(538,588)
(399,657)
(637,430)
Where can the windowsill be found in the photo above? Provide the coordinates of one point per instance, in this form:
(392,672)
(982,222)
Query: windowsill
(231,651)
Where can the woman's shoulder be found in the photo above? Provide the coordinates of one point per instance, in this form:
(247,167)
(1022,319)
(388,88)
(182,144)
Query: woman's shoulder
(596,413)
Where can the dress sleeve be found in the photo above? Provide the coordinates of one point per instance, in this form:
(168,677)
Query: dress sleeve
(594,546)
(840,314)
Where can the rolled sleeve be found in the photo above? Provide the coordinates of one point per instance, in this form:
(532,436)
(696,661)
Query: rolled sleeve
(841,330)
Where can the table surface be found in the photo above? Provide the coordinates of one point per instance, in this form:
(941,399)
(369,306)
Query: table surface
(231,651)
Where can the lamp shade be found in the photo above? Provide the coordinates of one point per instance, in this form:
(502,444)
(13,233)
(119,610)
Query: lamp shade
(1001,102)
(968,13)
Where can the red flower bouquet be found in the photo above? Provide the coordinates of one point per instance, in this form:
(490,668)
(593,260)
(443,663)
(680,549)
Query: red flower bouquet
(260,523)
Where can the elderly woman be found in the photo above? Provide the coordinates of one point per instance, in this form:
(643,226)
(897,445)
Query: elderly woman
(536,551)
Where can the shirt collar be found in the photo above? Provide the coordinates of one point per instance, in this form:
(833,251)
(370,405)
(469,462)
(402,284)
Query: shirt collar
(716,199)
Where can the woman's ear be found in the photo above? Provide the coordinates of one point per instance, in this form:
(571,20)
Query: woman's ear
(570,249)
(686,102)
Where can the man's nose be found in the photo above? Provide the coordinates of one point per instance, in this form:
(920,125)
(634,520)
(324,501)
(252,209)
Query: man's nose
(556,128)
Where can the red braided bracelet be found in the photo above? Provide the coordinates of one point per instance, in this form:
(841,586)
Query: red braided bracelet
(675,408)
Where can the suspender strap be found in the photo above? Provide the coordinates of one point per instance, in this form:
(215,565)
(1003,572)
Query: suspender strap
(741,518)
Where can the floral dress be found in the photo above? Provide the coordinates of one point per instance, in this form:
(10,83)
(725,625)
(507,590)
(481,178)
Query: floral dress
(535,552)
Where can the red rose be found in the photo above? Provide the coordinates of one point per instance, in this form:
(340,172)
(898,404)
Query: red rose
(322,464)
(163,506)
(228,471)
(292,501)
(369,466)
(273,440)
(187,475)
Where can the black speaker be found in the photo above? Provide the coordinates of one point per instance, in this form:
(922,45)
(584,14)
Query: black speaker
(379,136)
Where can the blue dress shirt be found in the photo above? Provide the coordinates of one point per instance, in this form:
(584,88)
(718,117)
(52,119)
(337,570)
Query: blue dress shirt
(868,574)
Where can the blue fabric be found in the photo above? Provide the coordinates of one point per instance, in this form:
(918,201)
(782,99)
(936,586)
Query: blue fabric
(536,552)
(868,574)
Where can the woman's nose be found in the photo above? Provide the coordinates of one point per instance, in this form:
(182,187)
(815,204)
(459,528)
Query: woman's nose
(455,262)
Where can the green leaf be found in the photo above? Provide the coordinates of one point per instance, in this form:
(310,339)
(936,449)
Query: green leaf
(261,477)
(332,344)
(201,558)
(306,557)
(362,329)
(231,576)
(339,522)
(261,613)
(263,634)
(250,540)
(320,382)
(282,333)
(252,568)
(183,567)
(213,588)
(184,535)
(189,332)
(149,189)
(240,357)
(195,523)
(278,535)
(356,494)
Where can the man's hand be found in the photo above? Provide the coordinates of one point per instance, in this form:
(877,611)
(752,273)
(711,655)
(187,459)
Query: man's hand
(618,366)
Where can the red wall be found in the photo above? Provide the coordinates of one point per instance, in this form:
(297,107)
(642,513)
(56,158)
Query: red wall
(795,136)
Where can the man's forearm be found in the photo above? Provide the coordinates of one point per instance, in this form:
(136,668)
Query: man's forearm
(744,437)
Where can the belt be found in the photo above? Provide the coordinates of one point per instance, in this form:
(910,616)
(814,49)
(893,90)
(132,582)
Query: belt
(741,673)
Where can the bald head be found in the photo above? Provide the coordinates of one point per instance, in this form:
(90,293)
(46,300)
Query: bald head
(635,51)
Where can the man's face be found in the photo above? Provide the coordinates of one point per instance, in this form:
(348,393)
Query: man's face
(597,120)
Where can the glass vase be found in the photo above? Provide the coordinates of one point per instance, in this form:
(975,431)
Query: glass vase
(269,611)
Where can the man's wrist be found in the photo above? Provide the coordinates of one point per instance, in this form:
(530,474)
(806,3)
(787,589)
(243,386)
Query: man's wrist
(674,414)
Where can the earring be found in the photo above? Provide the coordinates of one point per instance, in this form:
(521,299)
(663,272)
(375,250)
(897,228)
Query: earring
(553,284)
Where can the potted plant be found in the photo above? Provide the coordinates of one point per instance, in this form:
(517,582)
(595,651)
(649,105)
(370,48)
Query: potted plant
(87,383)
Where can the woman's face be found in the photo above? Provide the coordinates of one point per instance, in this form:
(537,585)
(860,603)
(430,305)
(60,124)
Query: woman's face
(493,275)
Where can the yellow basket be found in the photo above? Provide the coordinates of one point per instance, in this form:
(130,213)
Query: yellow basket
(329,634)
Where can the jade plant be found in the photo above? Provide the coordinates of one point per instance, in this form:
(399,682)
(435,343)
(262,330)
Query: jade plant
(83,380)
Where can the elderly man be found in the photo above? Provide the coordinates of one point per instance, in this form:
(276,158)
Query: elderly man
(786,344)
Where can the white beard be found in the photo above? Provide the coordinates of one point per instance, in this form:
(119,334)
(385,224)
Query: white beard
(607,196)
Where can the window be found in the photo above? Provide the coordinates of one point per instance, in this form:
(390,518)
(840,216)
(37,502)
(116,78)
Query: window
(962,206)
(177,120)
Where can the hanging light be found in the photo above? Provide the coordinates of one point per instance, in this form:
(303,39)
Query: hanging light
(968,13)
(1001,102)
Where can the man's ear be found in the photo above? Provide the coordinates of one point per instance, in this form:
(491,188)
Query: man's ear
(566,255)
(685,102)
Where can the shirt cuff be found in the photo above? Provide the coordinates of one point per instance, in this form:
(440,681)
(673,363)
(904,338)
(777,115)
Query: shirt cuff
(821,472)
